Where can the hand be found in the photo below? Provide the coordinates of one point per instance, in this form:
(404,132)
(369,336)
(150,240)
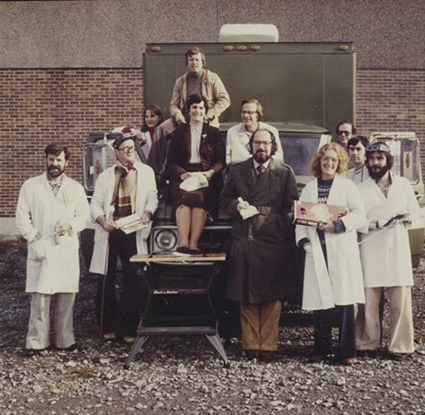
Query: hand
(327,227)
(146,217)
(184,176)
(179,118)
(208,174)
(242,204)
(373,225)
(109,226)
(36,238)
(63,227)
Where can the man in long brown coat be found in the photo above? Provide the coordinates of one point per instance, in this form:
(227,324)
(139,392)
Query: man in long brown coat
(262,250)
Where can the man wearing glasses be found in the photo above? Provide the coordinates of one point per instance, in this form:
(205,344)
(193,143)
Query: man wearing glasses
(261,256)
(237,148)
(126,188)
(344,131)
(385,254)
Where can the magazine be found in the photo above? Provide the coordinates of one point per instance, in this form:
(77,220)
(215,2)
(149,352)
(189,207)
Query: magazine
(313,214)
(131,223)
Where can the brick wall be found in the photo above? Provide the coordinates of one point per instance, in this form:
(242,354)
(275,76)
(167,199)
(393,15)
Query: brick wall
(392,100)
(41,106)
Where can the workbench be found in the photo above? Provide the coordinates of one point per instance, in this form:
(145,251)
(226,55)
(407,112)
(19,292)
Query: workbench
(179,300)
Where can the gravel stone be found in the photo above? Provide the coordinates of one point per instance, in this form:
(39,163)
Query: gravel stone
(184,375)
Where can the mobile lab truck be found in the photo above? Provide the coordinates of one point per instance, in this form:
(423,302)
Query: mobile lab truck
(305,89)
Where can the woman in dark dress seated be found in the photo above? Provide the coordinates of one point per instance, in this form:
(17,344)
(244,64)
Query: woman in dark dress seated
(195,147)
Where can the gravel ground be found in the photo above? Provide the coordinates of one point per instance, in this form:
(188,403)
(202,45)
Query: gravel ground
(185,375)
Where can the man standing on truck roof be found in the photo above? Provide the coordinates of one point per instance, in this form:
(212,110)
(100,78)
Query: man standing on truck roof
(239,135)
(262,250)
(126,188)
(385,254)
(357,156)
(344,131)
(52,209)
(198,80)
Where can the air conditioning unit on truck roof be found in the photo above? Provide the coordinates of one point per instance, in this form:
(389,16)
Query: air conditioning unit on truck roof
(230,33)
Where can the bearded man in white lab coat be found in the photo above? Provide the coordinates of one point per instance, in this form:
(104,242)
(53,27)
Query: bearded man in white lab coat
(128,187)
(385,254)
(52,209)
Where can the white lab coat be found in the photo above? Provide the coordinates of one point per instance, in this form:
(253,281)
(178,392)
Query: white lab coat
(342,282)
(51,267)
(146,199)
(358,176)
(386,257)
(237,142)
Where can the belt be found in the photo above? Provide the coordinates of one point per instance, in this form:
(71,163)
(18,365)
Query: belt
(266,210)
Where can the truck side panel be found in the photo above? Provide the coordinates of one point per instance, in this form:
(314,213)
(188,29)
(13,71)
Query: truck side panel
(309,83)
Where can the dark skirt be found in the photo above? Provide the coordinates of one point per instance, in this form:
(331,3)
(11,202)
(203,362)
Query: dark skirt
(201,198)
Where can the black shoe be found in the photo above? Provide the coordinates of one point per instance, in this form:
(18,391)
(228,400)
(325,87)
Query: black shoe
(183,249)
(398,357)
(315,358)
(252,354)
(194,251)
(72,348)
(267,355)
(33,352)
(366,353)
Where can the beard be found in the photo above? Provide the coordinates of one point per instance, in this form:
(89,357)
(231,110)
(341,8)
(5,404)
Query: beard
(261,156)
(55,171)
(376,172)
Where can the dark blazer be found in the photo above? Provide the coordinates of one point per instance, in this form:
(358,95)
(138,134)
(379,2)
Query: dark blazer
(261,268)
(212,150)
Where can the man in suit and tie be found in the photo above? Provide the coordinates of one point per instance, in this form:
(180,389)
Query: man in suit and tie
(262,250)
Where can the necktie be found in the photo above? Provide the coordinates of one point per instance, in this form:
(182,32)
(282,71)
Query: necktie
(260,170)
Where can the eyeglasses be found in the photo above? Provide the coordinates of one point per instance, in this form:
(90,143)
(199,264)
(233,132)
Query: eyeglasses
(378,147)
(244,112)
(264,143)
(127,149)
(344,133)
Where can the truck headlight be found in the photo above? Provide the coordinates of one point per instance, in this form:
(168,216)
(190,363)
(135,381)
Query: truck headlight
(165,240)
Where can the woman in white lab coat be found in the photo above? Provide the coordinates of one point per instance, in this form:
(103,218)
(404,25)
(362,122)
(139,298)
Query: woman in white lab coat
(333,281)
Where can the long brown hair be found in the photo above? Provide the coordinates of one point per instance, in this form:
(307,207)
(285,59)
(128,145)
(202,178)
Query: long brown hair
(156,110)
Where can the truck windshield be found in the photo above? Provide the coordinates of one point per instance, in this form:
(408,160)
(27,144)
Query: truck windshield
(298,149)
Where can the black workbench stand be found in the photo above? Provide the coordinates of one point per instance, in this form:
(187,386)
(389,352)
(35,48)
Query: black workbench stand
(194,283)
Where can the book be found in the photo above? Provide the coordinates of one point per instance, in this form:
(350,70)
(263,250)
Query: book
(313,214)
(131,223)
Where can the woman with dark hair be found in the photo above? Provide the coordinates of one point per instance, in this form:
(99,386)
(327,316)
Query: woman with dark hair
(196,149)
(333,281)
(152,117)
